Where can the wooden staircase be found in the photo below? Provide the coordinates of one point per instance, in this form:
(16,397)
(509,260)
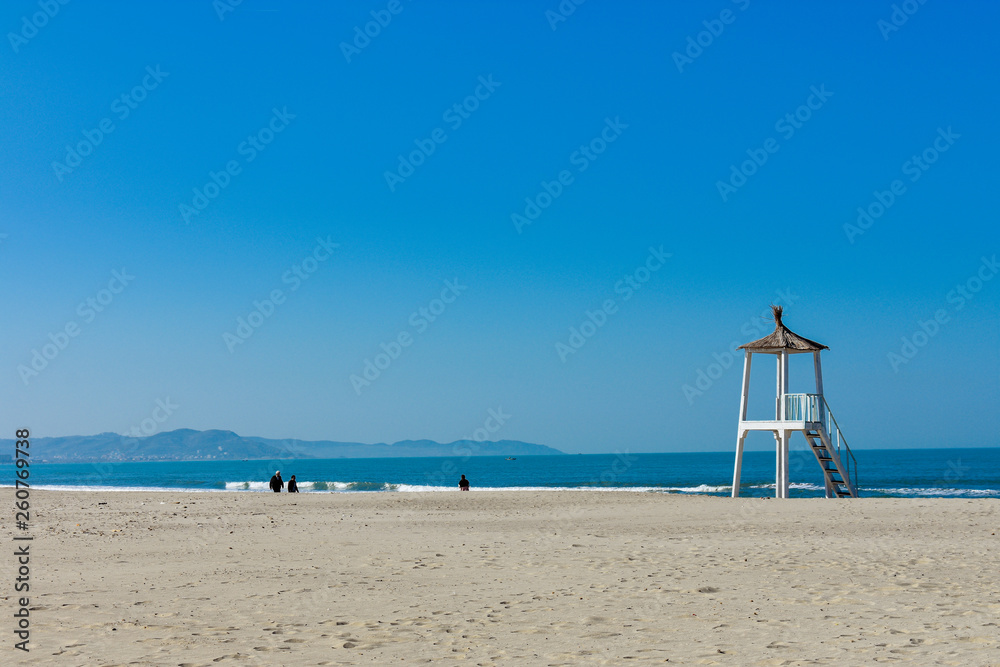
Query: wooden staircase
(836,469)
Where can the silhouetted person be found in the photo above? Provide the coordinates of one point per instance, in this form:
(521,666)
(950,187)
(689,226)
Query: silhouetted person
(463,484)
(276,482)
(292,486)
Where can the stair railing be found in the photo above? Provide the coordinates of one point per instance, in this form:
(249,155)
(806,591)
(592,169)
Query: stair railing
(850,463)
(814,408)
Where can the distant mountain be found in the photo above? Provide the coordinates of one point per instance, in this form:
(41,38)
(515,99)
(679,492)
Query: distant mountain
(190,445)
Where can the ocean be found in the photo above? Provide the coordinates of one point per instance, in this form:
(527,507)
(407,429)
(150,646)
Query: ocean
(917,473)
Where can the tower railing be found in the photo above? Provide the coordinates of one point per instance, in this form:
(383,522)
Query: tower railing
(814,408)
(802,408)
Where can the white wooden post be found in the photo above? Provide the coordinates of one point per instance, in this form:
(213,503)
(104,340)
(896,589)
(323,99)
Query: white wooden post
(739,463)
(784,375)
(819,373)
(743,417)
(786,436)
(819,388)
(778,473)
(778,408)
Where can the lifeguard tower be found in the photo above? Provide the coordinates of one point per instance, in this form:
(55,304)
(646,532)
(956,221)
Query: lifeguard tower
(808,413)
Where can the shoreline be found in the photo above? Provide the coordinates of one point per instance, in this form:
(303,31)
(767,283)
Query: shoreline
(703,490)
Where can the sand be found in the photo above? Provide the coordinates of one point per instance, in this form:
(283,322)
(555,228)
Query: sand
(514,578)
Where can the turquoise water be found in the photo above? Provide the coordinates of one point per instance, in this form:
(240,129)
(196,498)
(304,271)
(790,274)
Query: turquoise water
(963,473)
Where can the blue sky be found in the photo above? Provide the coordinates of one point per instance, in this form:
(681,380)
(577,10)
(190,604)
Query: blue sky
(324,123)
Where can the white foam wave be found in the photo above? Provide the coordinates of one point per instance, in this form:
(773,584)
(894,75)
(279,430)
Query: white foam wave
(936,492)
(377,487)
(805,486)
(120,489)
(247,486)
(702,488)
(368,487)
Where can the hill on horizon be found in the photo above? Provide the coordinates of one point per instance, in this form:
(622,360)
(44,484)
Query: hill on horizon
(218,445)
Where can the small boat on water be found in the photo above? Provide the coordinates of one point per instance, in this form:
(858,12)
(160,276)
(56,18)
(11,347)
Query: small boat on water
(511,458)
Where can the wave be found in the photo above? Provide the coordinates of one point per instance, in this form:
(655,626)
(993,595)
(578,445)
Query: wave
(926,492)
(702,488)
(383,487)
(120,489)
(803,486)
(336,486)
(306,487)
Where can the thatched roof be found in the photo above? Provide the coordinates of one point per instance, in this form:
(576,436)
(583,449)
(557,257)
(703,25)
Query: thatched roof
(783,338)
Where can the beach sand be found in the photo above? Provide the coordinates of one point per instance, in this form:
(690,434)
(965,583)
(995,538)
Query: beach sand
(514,578)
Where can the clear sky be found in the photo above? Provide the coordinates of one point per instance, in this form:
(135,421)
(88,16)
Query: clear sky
(168,168)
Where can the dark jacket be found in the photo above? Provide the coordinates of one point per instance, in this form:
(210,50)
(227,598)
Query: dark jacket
(277,483)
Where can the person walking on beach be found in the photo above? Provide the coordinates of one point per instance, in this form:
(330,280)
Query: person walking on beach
(463,484)
(276,482)
(292,486)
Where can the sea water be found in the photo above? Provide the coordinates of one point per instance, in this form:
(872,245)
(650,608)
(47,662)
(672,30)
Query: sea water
(953,472)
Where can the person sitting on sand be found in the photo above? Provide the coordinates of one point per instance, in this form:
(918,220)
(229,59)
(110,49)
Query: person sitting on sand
(463,484)
(292,486)
(276,482)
